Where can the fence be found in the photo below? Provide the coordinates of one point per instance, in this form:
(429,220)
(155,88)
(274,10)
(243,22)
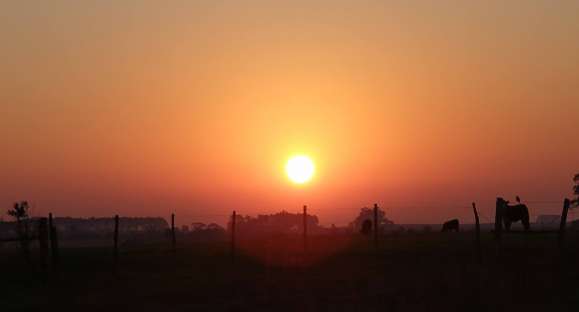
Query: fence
(47,236)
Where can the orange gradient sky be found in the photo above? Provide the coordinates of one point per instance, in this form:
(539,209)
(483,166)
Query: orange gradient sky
(150,107)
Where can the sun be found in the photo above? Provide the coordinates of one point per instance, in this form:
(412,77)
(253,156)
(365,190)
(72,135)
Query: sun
(300,169)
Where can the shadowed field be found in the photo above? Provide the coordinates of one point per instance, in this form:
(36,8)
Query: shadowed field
(409,272)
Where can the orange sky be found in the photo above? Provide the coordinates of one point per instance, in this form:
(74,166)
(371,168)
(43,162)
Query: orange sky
(148,107)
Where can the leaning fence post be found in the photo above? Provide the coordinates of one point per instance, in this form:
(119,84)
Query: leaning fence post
(53,243)
(43,244)
(477,232)
(376,226)
(233,220)
(499,210)
(116,244)
(173,239)
(561,237)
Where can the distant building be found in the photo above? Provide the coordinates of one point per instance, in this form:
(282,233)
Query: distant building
(72,227)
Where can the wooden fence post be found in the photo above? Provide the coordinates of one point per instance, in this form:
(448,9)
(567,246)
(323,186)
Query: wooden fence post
(173,239)
(116,245)
(376,226)
(477,232)
(561,237)
(499,219)
(305,221)
(43,243)
(50,228)
(53,243)
(233,220)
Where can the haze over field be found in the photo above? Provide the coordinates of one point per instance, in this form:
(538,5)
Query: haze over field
(143,108)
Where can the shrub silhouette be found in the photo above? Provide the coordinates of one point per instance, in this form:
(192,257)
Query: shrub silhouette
(20,213)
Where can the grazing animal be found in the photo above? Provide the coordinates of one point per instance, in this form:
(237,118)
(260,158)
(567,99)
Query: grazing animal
(513,213)
(366,227)
(450,225)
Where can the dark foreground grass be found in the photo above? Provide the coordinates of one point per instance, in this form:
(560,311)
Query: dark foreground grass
(418,272)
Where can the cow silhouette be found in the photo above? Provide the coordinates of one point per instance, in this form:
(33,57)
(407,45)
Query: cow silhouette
(513,213)
(450,225)
(366,227)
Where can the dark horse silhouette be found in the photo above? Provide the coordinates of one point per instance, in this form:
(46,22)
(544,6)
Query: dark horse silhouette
(450,225)
(513,213)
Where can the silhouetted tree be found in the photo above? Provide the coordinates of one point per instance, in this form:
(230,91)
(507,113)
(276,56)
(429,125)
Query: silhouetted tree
(20,213)
(367,214)
(198,226)
(214,227)
(279,223)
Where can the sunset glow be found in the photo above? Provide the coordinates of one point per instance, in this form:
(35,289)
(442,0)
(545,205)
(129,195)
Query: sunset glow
(197,106)
(303,155)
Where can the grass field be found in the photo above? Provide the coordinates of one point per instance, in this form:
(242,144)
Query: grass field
(410,272)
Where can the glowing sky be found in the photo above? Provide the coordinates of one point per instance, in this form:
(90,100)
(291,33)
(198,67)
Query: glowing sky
(149,107)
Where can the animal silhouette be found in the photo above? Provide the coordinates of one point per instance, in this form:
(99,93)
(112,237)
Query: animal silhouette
(366,227)
(513,213)
(450,225)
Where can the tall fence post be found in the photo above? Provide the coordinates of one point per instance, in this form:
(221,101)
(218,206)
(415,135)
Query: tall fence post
(27,240)
(305,225)
(499,219)
(49,224)
(376,226)
(173,238)
(561,237)
(233,220)
(116,245)
(43,244)
(499,211)
(477,232)
(53,243)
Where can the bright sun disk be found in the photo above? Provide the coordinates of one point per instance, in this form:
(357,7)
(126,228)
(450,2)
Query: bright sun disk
(300,169)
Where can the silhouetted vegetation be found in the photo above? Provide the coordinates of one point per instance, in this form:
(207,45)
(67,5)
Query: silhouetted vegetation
(20,213)
(204,232)
(451,225)
(359,225)
(366,227)
(279,223)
